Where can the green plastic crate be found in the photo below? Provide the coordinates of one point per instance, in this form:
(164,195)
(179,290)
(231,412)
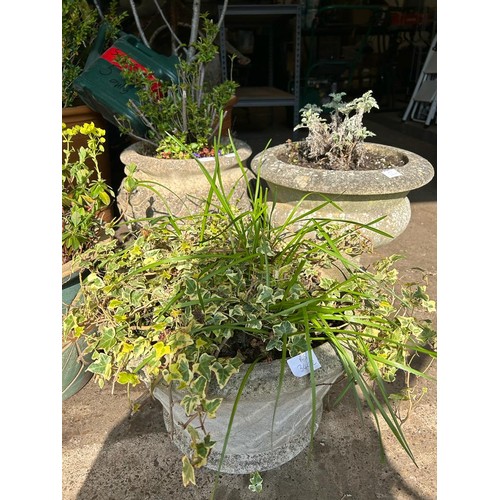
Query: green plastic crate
(102,87)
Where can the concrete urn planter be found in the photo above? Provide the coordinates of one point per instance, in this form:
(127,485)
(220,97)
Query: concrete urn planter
(254,444)
(181,186)
(362,195)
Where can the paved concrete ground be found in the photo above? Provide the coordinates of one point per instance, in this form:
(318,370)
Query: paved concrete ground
(109,454)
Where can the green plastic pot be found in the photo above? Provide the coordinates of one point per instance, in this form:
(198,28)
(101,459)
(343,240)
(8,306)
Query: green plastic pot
(74,364)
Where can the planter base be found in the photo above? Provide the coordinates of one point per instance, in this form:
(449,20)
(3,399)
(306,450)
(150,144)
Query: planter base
(257,442)
(246,463)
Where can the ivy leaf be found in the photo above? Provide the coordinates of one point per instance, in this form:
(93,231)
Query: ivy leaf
(190,403)
(136,297)
(203,367)
(284,328)
(237,312)
(108,338)
(297,344)
(179,340)
(265,249)
(180,371)
(217,319)
(101,366)
(274,343)
(114,303)
(223,372)
(255,483)
(295,291)
(265,295)
(191,286)
(187,472)
(199,386)
(234,276)
(195,437)
(202,450)
(161,350)
(254,323)
(125,378)
(211,405)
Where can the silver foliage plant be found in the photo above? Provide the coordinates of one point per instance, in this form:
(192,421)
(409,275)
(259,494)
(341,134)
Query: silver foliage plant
(335,141)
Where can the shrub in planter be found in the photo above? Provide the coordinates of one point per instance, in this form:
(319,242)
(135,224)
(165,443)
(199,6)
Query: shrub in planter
(368,182)
(183,120)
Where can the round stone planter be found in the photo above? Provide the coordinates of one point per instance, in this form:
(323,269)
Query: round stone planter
(362,195)
(179,187)
(254,443)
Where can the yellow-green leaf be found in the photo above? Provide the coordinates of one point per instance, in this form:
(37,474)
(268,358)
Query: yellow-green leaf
(125,378)
(187,472)
(161,349)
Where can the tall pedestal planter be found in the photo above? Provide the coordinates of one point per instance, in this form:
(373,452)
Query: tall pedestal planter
(363,195)
(178,187)
(254,443)
(74,374)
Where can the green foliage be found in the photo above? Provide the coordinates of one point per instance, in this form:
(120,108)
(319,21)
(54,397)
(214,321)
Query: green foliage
(80,24)
(334,142)
(255,483)
(190,110)
(84,193)
(189,300)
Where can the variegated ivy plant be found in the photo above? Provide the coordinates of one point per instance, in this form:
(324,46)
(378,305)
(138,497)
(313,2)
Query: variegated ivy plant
(191,300)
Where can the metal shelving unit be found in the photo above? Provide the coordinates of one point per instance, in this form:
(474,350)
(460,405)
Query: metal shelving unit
(265,96)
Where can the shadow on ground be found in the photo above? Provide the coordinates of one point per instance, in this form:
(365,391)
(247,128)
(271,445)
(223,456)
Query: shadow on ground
(136,460)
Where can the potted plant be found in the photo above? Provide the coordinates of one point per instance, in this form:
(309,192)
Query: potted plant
(222,307)
(182,120)
(85,197)
(369,182)
(80,26)
(81,20)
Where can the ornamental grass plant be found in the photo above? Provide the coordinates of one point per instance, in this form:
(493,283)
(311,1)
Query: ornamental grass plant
(190,300)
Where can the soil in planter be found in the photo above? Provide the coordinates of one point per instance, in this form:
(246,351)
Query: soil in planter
(249,348)
(204,152)
(370,160)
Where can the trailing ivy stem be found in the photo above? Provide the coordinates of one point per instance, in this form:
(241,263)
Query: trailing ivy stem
(171,404)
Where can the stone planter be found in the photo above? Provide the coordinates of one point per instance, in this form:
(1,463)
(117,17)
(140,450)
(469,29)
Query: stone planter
(363,195)
(180,184)
(254,444)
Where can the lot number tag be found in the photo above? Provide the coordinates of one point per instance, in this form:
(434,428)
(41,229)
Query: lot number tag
(300,364)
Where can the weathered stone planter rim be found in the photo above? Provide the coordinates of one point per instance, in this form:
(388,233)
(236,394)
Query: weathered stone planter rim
(264,376)
(416,172)
(136,153)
